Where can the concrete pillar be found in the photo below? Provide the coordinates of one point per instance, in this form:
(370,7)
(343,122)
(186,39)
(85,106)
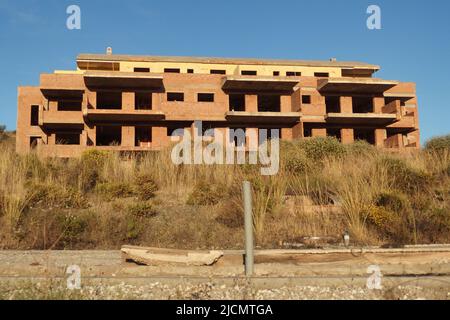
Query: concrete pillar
(159,137)
(347,136)
(285,104)
(156,100)
(128,136)
(319,132)
(297,131)
(53,106)
(252,139)
(91,134)
(251,103)
(380,137)
(51,139)
(346,104)
(286,134)
(91,99)
(128,101)
(378,104)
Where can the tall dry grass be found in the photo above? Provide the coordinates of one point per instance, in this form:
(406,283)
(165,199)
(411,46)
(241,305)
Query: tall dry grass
(323,188)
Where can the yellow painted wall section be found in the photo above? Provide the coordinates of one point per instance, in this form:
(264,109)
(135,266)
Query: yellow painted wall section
(205,68)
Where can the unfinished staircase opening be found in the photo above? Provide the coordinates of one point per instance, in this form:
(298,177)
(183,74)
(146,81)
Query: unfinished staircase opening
(143,137)
(109,100)
(362,104)
(109,135)
(269,103)
(237,102)
(333,104)
(143,101)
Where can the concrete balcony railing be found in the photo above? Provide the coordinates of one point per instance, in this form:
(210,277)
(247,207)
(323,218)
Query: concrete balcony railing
(54,118)
(103,115)
(389,114)
(263,117)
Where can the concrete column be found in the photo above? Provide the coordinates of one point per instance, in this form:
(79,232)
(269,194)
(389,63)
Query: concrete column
(53,106)
(251,103)
(319,132)
(346,104)
(127,136)
(128,101)
(159,137)
(92,99)
(156,100)
(297,131)
(285,104)
(91,134)
(51,139)
(378,104)
(252,139)
(347,136)
(380,137)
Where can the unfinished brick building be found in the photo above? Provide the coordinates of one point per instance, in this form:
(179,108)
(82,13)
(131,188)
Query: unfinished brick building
(134,103)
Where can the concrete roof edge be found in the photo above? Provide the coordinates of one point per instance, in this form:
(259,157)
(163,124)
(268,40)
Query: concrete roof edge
(218,60)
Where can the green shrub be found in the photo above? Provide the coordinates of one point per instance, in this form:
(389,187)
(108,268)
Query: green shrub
(72,228)
(91,163)
(405,177)
(393,201)
(114,190)
(51,195)
(2,133)
(206,194)
(145,187)
(438,144)
(319,148)
(295,161)
(360,147)
(391,215)
(142,210)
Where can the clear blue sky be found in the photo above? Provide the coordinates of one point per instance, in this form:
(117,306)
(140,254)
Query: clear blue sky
(413,44)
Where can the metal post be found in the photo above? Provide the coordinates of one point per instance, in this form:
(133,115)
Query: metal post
(248,217)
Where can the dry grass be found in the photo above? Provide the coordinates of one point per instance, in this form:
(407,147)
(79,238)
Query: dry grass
(323,189)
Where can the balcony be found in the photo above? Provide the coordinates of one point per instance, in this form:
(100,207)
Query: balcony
(123,80)
(361,118)
(390,113)
(243,117)
(355,85)
(259,84)
(60,119)
(120,116)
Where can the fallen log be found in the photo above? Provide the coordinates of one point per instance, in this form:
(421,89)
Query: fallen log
(159,256)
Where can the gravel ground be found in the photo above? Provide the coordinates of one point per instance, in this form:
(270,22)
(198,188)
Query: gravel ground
(214,291)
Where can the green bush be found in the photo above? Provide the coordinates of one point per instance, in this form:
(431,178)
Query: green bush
(321,147)
(91,163)
(295,161)
(72,228)
(206,194)
(405,177)
(145,187)
(393,201)
(360,147)
(142,210)
(52,195)
(438,144)
(112,190)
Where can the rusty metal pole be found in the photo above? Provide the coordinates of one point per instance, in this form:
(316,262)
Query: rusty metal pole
(248,217)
